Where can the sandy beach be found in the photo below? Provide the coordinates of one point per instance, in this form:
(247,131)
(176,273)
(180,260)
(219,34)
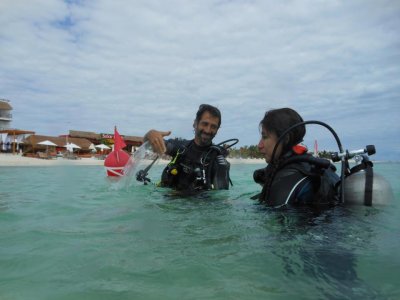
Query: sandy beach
(10,160)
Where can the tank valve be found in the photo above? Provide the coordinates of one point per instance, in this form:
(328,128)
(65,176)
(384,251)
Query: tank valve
(369,149)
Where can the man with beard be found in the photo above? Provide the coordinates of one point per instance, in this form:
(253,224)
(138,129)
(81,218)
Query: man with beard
(196,164)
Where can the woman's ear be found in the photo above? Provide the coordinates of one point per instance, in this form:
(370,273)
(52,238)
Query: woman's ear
(286,139)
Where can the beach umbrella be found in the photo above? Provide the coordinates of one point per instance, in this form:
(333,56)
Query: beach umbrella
(102,147)
(92,147)
(47,143)
(71,146)
(74,146)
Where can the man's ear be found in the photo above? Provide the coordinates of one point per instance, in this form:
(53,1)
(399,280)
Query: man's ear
(194,124)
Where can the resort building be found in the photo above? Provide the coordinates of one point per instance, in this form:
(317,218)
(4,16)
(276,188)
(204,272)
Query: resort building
(11,140)
(27,143)
(132,142)
(85,142)
(56,144)
(5,114)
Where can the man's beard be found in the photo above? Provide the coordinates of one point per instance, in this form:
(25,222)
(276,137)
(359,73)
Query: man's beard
(200,136)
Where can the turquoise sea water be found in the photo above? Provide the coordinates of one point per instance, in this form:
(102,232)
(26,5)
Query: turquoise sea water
(67,233)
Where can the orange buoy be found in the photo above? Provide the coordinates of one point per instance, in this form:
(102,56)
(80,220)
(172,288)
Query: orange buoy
(116,161)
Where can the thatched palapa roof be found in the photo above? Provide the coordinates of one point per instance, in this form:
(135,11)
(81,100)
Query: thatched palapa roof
(16,131)
(97,136)
(84,134)
(136,139)
(59,141)
(4,105)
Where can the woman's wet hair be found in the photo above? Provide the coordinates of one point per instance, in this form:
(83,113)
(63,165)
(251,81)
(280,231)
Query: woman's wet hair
(211,109)
(278,120)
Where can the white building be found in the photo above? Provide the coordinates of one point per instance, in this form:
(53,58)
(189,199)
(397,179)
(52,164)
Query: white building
(5,114)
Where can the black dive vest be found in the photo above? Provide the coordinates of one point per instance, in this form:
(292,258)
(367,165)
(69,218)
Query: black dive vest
(194,167)
(293,175)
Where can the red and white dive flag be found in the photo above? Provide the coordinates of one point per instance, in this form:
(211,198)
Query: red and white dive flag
(315,148)
(119,142)
(115,161)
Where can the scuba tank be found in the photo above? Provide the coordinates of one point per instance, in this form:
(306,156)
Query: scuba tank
(358,185)
(362,185)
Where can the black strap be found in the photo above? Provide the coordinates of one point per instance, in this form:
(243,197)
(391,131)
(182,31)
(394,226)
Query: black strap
(369,183)
(321,163)
(363,166)
(369,179)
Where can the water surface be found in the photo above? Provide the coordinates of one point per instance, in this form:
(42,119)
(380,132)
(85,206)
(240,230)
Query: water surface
(67,233)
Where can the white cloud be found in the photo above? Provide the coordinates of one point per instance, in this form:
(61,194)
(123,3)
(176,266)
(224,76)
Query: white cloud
(91,65)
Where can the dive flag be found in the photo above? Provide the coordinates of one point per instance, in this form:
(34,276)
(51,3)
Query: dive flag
(118,140)
(315,148)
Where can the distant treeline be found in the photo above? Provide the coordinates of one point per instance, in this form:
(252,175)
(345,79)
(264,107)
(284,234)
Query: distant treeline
(252,152)
(324,154)
(245,152)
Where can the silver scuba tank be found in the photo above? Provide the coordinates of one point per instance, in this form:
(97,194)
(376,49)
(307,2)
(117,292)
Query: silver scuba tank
(363,186)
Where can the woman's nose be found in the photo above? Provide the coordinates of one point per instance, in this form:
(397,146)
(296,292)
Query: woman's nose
(261,144)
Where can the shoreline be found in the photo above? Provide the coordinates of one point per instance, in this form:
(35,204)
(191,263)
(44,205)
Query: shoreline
(10,160)
(15,160)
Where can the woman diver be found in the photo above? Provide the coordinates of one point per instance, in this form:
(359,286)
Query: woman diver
(292,176)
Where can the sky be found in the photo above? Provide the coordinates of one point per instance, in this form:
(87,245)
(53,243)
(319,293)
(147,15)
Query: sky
(140,65)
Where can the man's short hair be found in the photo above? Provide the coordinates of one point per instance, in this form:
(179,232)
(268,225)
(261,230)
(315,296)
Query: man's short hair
(211,109)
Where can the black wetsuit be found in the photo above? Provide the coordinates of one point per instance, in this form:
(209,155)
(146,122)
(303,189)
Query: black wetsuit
(195,167)
(300,180)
